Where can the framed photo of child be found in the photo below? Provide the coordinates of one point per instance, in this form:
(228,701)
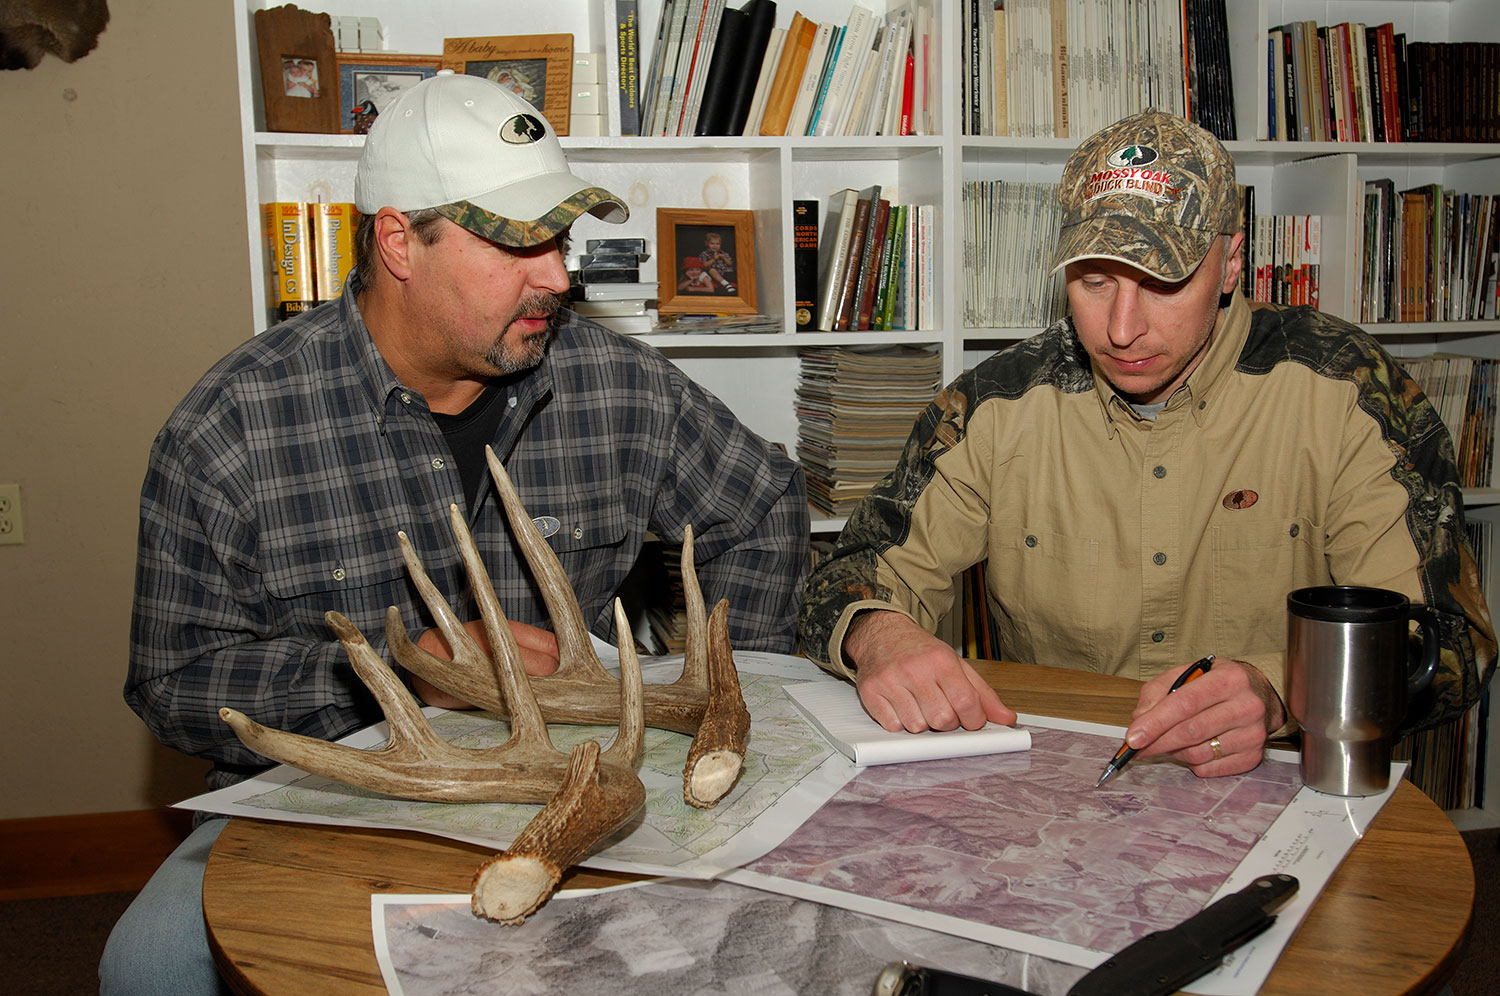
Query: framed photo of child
(705,262)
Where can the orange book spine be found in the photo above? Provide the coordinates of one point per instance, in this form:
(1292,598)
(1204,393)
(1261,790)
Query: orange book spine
(799,39)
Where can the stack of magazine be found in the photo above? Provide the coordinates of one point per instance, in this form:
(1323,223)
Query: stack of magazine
(856,406)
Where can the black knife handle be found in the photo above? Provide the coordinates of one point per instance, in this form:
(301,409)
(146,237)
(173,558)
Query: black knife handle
(1166,960)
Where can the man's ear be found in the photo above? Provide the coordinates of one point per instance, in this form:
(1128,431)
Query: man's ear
(1234,263)
(393,241)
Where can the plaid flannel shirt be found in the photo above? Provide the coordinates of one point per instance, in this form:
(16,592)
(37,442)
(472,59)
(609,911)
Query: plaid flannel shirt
(276,489)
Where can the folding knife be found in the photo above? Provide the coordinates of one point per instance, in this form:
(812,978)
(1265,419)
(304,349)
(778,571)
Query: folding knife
(1159,963)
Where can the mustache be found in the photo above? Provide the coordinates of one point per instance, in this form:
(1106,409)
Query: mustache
(538,304)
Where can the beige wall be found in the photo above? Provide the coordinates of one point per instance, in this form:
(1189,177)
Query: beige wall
(125,276)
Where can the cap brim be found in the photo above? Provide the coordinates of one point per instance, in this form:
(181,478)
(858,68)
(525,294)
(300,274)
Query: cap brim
(534,210)
(1167,252)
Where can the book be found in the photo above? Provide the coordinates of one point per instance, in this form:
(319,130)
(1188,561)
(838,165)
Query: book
(843,80)
(674,18)
(783,93)
(708,38)
(687,54)
(291,289)
(333,225)
(833,253)
(622,72)
(833,709)
(865,209)
(812,77)
(744,37)
(651,84)
(805,262)
(870,264)
(763,83)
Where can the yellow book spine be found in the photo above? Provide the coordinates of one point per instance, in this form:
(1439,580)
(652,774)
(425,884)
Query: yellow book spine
(333,246)
(289,249)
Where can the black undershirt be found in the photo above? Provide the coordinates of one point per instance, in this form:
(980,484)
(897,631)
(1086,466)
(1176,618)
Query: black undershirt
(468,433)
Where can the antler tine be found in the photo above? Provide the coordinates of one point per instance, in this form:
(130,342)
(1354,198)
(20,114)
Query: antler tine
(575,649)
(595,799)
(695,652)
(470,674)
(631,739)
(526,720)
(718,751)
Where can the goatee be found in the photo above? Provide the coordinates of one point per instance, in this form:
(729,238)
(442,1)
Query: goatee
(513,354)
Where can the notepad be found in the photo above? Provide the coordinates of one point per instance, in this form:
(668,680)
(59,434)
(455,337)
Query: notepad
(834,710)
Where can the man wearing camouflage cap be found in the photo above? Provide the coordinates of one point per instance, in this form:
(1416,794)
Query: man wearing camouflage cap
(277,489)
(1149,478)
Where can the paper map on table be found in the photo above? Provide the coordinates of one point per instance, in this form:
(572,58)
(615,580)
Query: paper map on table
(1021,850)
(789,772)
(671,938)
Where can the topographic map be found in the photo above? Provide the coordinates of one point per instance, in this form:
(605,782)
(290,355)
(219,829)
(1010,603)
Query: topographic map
(789,771)
(1024,843)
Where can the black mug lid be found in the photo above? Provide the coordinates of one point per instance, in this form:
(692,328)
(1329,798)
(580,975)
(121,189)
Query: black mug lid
(1348,603)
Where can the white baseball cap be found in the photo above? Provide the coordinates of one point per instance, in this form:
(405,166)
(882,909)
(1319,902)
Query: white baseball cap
(480,155)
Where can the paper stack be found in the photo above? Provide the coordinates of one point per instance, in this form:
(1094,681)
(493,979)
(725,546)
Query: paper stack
(855,407)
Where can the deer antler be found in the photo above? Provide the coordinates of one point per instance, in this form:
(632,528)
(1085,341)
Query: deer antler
(587,795)
(705,700)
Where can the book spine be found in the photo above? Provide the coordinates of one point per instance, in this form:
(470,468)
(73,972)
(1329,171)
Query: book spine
(626,68)
(845,311)
(869,271)
(289,250)
(805,261)
(333,227)
(783,95)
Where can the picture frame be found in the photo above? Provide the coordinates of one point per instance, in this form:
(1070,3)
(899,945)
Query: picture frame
(377,77)
(298,75)
(538,67)
(685,236)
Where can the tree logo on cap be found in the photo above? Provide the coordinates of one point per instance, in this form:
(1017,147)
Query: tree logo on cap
(523,129)
(1132,155)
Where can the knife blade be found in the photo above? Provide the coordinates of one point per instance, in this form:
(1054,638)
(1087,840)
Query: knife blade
(1159,963)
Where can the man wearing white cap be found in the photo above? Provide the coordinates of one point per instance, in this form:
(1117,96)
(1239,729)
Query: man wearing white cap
(276,490)
(1149,478)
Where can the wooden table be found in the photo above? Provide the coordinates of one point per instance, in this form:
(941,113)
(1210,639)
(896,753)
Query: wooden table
(288,905)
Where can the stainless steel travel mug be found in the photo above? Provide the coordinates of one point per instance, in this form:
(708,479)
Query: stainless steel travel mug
(1350,672)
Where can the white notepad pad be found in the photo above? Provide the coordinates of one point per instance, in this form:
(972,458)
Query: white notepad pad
(834,710)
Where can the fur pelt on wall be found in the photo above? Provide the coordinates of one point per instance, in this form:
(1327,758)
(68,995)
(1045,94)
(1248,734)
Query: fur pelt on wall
(30,29)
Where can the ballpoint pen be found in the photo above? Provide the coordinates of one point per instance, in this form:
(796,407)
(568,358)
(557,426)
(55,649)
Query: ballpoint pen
(1125,753)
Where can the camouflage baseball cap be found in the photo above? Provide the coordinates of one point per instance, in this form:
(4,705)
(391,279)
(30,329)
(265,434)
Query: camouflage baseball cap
(480,155)
(1152,190)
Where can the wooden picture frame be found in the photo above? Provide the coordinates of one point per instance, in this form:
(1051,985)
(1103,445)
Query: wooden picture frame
(377,77)
(538,67)
(298,75)
(687,236)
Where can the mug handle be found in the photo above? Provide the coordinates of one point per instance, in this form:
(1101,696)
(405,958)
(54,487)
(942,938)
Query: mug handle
(1418,680)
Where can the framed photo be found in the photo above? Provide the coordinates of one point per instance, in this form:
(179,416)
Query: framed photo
(368,81)
(538,67)
(298,78)
(705,262)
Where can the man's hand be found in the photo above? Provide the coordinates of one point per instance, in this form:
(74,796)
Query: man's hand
(539,656)
(1233,704)
(909,679)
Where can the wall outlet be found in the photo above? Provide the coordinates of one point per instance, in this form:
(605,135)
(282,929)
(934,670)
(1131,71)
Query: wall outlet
(11,532)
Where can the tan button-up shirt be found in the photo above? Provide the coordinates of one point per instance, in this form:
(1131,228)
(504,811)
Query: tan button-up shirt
(1295,454)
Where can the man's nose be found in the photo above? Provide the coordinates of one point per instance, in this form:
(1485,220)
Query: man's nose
(548,271)
(1126,317)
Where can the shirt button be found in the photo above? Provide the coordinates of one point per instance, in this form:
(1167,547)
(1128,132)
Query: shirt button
(1031,541)
(1158,636)
(1159,559)
(1295,529)
(405,398)
(1160,472)
(1202,405)
(437,463)
(578,532)
(338,574)
(510,402)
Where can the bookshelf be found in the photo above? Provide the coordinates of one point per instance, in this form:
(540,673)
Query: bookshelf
(756,374)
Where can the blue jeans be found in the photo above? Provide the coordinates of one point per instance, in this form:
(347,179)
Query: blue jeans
(160,944)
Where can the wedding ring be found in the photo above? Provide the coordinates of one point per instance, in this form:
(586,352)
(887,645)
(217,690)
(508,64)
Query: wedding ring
(1218,751)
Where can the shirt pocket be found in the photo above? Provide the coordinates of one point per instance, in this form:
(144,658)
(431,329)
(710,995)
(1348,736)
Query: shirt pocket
(592,540)
(1255,566)
(1047,586)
